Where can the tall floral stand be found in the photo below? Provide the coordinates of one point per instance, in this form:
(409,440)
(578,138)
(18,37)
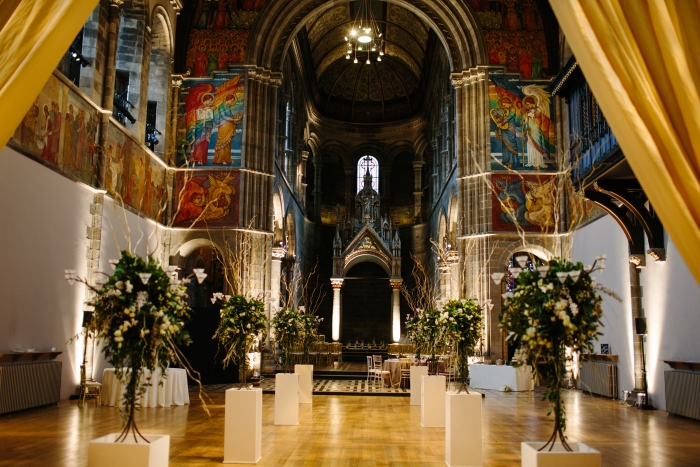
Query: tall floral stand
(306,382)
(287,399)
(417,373)
(581,455)
(104,452)
(243,426)
(432,413)
(463,429)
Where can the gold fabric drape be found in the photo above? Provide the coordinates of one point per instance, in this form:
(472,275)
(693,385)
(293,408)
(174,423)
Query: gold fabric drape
(34,36)
(641,59)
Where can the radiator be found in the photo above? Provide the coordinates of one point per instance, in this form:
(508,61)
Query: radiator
(29,385)
(599,378)
(683,393)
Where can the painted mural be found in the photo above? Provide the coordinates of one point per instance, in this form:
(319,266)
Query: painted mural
(522,132)
(219,34)
(62,129)
(527,201)
(514,35)
(210,129)
(207,198)
(134,176)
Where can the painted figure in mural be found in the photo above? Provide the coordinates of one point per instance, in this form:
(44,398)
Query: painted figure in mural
(219,198)
(202,14)
(222,18)
(68,154)
(222,60)
(27,132)
(540,203)
(193,197)
(512,60)
(80,135)
(213,62)
(201,60)
(227,122)
(510,19)
(525,62)
(536,61)
(46,138)
(507,123)
(513,202)
(200,121)
(56,120)
(529,19)
(537,125)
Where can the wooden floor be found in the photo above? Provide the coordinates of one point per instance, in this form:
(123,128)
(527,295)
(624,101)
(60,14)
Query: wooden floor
(358,431)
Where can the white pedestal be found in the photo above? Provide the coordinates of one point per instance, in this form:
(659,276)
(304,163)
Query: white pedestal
(463,429)
(104,452)
(417,373)
(243,426)
(432,411)
(306,382)
(286,399)
(582,455)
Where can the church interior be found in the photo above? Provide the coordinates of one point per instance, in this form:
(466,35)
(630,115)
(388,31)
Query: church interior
(266,149)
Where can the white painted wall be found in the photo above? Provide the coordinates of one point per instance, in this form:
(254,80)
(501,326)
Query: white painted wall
(670,300)
(42,233)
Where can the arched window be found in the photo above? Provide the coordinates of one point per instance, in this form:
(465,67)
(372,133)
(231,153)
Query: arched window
(363,165)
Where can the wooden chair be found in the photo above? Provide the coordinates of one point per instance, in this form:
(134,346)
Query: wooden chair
(371,371)
(89,389)
(405,366)
(297,354)
(336,351)
(313,353)
(393,349)
(322,354)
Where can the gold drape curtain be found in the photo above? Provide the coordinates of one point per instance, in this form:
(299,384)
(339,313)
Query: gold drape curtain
(641,59)
(34,35)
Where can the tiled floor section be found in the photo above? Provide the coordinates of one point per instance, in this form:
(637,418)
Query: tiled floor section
(321,386)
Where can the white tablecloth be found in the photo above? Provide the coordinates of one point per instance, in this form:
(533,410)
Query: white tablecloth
(172,391)
(495,376)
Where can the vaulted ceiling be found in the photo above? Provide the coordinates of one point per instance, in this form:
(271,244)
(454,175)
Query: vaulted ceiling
(384,91)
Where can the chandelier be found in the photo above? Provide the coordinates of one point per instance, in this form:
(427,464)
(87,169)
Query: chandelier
(365,36)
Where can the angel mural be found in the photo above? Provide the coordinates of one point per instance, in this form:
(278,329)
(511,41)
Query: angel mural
(209,199)
(526,202)
(213,113)
(522,133)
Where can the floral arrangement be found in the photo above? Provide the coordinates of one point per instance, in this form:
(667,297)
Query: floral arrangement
(553,308)
(289,328)
(140,313)
(243,320)
(462,321)
(426,331)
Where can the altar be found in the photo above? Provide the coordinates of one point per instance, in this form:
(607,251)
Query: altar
(496,376)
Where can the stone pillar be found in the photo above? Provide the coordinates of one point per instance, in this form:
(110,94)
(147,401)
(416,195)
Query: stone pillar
(395,309)
(275,280)
(318,167)
(417,191)
(108,87)
(171,148)
(301,174)
(637,312)
(337,284)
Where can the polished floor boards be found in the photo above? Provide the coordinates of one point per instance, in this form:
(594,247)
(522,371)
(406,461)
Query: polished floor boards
(358,431)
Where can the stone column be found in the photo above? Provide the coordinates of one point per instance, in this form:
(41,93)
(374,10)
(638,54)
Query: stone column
(301,174)
(171,148)
(337,284)
(275,279)
(318,167)
(108,87)
(417,191)
(637,312)
(395,309)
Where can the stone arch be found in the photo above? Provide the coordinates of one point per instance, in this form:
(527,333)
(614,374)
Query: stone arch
(399,148)
(514,247)
(453,22)
(278,216)
(340,150)
(453,216)
(189,246)
(368,149)
(160,67)
(290,231)
(441,232)
(367,257)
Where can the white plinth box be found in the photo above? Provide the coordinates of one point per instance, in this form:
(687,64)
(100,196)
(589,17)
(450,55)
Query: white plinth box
(306,382)
(104,452)
(432,411)
(243,426)
(286,399)
(417,373)
(463,429)
(582,455)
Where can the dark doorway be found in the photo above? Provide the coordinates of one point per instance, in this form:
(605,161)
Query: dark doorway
(204,354)
(366,305)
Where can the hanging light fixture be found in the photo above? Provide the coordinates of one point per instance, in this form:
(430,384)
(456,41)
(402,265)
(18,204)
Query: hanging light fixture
(365,36)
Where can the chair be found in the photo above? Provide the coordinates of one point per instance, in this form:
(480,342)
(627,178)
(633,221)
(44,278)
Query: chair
(336,351)
(297,354)
(449,370)
(393,349)
(371,372)
(313,353)
(405,366)
(88,389)
(323,354)
(322,338)
(377,364)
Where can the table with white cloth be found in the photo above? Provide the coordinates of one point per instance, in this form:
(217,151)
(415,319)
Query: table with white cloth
(495,376)
(393,366)
(163,392)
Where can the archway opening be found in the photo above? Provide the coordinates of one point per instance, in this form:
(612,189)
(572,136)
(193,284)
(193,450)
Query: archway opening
(366,305)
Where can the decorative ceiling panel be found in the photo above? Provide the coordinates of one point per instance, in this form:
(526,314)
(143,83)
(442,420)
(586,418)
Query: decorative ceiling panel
(338,53)
(362,94)
(332,75)
(397,15)
(349,90)
(387,76)
(329,42)
(375,86)
(327,21)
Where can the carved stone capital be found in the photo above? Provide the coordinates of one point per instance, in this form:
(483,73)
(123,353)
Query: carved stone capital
(116,3)
(396,284)
(337,283)
(278,253)
(176,80)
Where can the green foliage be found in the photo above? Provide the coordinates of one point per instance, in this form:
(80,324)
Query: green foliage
(141,324)
(544,316)
(309,331)
(462,321)
(289,328)
(242,321)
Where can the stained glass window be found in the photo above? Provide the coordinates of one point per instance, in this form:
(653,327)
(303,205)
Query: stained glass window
(371,164)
